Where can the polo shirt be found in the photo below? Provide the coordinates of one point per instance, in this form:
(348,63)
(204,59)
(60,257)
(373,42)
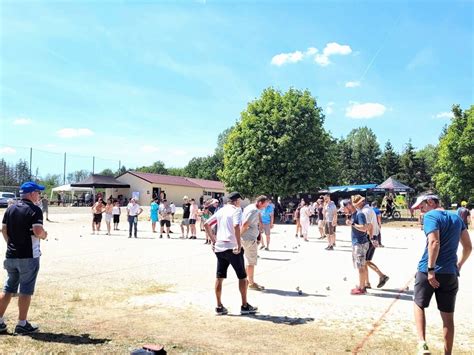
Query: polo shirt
(20,219)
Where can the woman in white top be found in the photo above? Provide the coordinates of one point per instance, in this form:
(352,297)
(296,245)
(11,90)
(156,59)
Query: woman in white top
(305,214)
(116,213)
(108,215)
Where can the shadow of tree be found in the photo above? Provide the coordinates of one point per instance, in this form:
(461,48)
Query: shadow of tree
(290,293)
(83,339)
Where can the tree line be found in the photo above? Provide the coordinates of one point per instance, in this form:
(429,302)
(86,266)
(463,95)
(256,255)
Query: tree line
(279,146)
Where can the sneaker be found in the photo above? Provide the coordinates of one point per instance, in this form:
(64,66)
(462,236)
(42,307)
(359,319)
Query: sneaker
(267,248)
(368,286)
(358,291)
(168,236)
(161,235)
(3,327)
(248,309)
(422,348)
(26,329)
(262,247)
(221,311)
(255,286)
(383,280)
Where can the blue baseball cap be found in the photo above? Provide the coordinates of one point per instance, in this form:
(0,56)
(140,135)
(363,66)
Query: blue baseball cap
(30,186)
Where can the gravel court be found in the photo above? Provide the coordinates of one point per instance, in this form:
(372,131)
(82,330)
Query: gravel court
(188,266)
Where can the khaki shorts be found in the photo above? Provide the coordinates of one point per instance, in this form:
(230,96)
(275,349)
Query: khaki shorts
(266,228)
(328,228)
(250,251)
(359,252)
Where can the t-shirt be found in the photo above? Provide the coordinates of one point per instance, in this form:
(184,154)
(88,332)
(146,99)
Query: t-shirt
(463,212)
(371,218)
(133,209)
(173,208)
(320,213)
(267,213)
(450,227)
(165,212)
(154,209)
(357,236)
(227,218)
(193,211)
(251,214)
(186,208)
(304,214)
(377,211)
(116,210)
(20,219)
(329,211)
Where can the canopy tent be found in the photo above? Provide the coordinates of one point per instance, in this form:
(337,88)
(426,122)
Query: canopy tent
(69,188)
(394,185)
(100,181)
(352,188)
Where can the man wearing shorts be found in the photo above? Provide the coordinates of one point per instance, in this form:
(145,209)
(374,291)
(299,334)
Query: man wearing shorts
(166,214)
(227,246)
(438,269)
(185,220)
(330,221)
(97,210)
(22,229)
(360,241)
(193,214)
(250,232)
(267,216)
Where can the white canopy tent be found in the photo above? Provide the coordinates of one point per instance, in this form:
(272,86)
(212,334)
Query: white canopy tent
(69,188)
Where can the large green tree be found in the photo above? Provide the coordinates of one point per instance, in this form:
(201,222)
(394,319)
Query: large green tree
(455,165)
(389,161)
(360,152)
(158,167)
(279,146)
(204,167)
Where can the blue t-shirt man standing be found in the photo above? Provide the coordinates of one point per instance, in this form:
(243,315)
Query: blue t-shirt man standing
(267,215)
(438,269)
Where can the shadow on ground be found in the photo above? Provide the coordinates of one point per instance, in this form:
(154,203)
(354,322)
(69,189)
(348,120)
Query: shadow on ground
(83,339)
(403,297)
(275,259)
(279,319)
(290,293)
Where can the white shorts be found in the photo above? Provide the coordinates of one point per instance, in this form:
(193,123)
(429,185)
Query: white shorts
(108,217)
(250,251)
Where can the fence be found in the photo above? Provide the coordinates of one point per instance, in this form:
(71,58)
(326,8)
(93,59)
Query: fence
(39,163)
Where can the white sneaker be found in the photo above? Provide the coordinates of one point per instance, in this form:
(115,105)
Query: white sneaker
(422,348)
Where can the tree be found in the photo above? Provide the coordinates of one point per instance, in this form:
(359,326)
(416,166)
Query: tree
(278,147)
(158,167)
(361,152)
(22,171)
(413,170)
(77,176)
(455,165)
(389,161)
(176,171)
(204,167)
(107,172)
(121,171)
(429,155)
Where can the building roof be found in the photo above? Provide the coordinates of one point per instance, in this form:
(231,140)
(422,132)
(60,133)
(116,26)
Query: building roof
(178,180)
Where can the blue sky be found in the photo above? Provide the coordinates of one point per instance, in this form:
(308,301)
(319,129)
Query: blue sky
(145,81)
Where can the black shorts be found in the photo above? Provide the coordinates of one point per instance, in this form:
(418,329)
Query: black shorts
(192,221)
(226,258)
(97,218)
(370,252)
(116,218)
(445,294)
(165,222)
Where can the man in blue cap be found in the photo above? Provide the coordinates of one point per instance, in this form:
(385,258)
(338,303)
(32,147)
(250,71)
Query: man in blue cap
(22,229)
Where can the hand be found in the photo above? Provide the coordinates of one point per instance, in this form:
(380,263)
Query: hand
(271,226)
(348,222)
(459,267)
(432,279)
(375,243)
(237,249)
(334,224)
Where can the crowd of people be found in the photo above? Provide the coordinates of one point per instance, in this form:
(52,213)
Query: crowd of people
(236,234)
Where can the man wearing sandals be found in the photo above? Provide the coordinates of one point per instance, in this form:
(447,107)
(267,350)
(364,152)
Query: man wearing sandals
(227,246)
(249,232)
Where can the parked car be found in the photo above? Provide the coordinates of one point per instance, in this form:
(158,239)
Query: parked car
(5,196)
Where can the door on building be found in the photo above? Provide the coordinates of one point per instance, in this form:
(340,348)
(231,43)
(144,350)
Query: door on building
(155,192)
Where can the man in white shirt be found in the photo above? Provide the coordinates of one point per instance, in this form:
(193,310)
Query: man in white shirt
(373,232)
(227,246)
(133,211)
(250,233)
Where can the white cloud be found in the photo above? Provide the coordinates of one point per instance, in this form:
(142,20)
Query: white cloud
(7,150)
(178,152)
(149,149)
(336,48)
(311,51)
(329,108)
(22,121)
(74,132)
(444,115)
(322,60)
(284,58)
(352,84)
(367,110)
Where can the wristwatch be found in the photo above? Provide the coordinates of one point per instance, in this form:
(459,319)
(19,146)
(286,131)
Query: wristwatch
(431,269)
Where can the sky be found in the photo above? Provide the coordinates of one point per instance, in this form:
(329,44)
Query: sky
(142,81)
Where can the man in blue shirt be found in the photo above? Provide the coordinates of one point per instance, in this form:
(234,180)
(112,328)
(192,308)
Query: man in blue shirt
(438,269)
(267,215)
(360,240)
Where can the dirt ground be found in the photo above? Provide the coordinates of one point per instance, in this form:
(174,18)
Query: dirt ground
(111,294)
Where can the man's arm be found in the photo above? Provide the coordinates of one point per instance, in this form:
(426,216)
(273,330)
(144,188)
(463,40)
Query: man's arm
(237,237)
(39,231)
(433,252)
(4,232)
(466,247)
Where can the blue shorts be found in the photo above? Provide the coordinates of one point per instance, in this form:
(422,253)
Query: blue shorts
(22,273)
